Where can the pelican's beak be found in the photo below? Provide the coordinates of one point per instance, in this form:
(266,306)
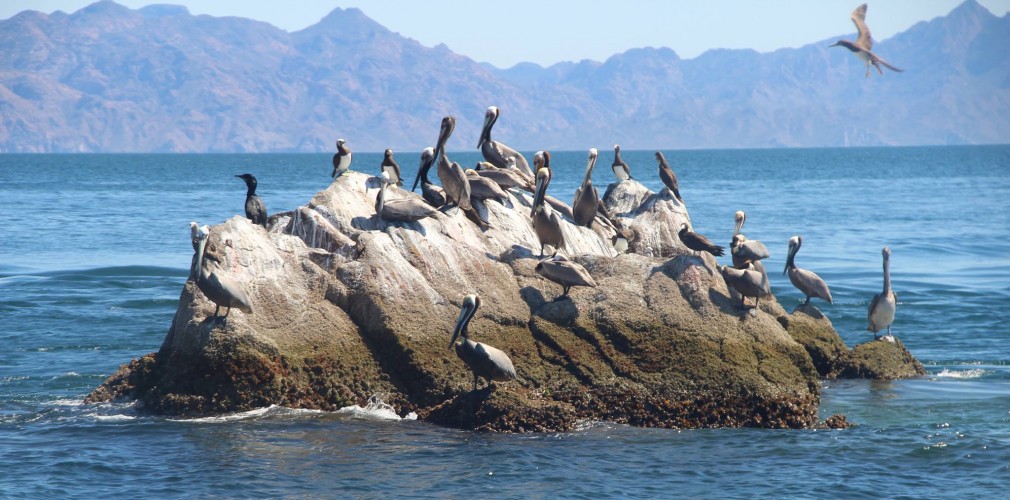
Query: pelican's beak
(459,325)
(201,245)
(543,177)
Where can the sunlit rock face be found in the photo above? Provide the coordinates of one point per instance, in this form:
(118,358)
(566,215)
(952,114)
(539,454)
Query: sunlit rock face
(348,306)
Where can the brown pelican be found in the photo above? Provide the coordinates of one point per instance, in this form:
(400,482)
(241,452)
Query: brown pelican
(390,165)
(431,193)
(805,281)
(749,282)
(546,222)
(407,209)
(483,360)
(542,159)
(255,210)
(587,199)
(881,311)
(565,273)
(864,42)
(341,160)
(220,289)
(504,177)
(620,167)
(483,188)
(668,177)
(454,181)
(698,242)
(497,153)
(746,251)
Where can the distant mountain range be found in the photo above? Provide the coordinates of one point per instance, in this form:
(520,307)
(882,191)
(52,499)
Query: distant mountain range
(110,79)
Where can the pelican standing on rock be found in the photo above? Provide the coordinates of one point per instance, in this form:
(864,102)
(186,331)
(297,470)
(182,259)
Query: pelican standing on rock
(668,177)
(620,167)
(587,199)
(454,181)
(881,311)
(431,193)
(483,360)
(341,160)
(565,273)
(220,289)
(698,242)
(408,209)
(749,282)
(805,281)
(497,153)
(864,42)
(255,210)
(389,165)
(546,222)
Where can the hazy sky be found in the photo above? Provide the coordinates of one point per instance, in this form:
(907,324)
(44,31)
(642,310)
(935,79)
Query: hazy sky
(548,31)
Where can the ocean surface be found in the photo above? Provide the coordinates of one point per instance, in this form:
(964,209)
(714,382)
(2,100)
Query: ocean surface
(94,252)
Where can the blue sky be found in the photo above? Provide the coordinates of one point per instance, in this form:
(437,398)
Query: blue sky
(545,32)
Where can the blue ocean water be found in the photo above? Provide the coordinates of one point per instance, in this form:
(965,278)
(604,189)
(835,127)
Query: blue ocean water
(95,251)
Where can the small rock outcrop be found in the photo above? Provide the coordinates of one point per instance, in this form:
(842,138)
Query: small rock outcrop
(878,359)
(348,307)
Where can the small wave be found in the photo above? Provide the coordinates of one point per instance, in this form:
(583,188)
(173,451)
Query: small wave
(964,374)
(376,409)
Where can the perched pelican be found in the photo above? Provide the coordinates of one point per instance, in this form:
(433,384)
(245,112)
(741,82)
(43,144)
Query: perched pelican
(864,42)
(504,177)
(483,188)
(668,177)
(745,252)
(749,282)
(220,289)
(805,281)
(390,165)
(483,360)
(431,193)
(565,273)
(454,181)
(620,167)
(407,209)
(587,199)
(497,153)
(881,311)
(546,222)
(698,242)
(341,160)
(255,210)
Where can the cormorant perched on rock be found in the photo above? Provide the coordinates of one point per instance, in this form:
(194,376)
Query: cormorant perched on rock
(697,242)
(668,177)
(255,210)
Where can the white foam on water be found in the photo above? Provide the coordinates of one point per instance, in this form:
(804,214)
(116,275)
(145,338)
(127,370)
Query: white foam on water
(114,418)
(376,409)
(963,374)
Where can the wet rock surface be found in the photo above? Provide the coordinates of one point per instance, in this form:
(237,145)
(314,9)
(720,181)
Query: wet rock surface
(349,307)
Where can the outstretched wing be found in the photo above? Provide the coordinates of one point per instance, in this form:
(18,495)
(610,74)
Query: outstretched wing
(859,19)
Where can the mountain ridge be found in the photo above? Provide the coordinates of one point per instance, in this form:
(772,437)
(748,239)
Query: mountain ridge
(107,78)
